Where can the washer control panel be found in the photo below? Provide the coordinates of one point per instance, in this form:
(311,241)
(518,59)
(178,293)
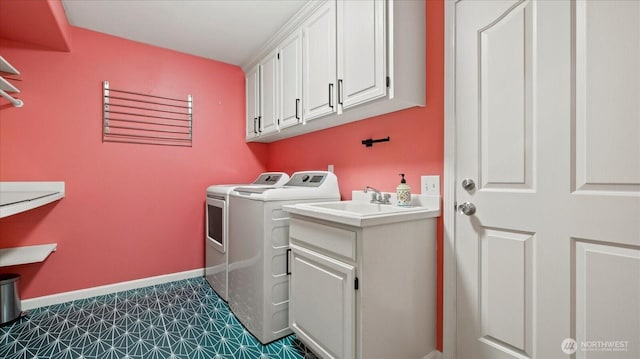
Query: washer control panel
(268,178)
(307,179)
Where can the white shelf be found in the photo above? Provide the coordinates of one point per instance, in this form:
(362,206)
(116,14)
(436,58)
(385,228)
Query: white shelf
(7,86)
(27,254)
(6,67)
(17,197)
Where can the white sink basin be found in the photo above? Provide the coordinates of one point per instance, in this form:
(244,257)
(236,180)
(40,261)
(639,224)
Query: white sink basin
(360,213)
(363,208)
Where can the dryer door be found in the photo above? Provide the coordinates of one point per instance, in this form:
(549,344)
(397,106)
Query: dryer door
(216,222)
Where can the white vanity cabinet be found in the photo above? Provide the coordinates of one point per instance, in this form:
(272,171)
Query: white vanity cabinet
(363,292)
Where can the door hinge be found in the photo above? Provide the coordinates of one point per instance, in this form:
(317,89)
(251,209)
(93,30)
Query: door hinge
(388,81)
(356,284)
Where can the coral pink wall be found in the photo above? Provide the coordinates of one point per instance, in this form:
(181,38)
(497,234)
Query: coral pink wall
(134,211)
(42,23)
(416,147)
(130,211)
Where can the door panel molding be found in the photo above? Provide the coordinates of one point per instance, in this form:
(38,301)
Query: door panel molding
(505,63)
(506,287)
(606,288)
(606,99)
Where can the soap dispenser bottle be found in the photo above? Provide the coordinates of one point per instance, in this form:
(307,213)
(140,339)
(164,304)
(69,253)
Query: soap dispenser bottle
(403,192)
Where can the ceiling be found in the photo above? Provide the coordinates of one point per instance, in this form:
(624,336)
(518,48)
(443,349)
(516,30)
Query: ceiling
(230,31)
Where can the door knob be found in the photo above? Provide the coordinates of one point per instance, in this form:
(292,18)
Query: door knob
(468,184)
(467,208)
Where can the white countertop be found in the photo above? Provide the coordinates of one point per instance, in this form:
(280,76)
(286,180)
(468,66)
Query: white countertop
(361,213)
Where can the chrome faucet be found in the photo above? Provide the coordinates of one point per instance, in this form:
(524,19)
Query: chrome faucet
(377,196)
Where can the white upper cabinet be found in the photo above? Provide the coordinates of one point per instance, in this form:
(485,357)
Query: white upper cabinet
(319,63)
(269,94)
(262,91)
(362,51)
(253,101)
(355,60)
(291,80)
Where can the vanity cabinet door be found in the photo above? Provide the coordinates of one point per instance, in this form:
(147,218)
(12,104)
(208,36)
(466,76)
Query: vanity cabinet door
(322,303)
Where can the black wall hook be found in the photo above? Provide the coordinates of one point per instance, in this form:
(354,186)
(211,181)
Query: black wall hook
(369,142)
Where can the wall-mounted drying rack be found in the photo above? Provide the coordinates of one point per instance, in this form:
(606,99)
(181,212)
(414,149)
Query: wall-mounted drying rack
(133,117)
(369,141)
(6,86)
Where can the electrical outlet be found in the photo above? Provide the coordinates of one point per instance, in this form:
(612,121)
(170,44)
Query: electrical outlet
(430,185)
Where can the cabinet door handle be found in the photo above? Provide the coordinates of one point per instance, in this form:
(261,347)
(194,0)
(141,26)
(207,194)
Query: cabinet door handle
(331,95)
(340,92)
(288,272)
(297,104)
(255,131)
(260,124)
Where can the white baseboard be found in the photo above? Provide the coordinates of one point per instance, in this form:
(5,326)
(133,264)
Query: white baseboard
(434,355)
(37,302)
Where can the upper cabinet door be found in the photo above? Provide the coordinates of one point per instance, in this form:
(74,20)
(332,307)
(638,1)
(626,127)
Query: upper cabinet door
(253,101)
(291,80)
(319,63)
(268,117)
(361,51)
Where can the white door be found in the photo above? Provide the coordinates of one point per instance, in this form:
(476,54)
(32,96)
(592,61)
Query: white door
(269,95)
(319,62)
(253,101)
(547,111)
(362,64)
(322,303)
(291,80)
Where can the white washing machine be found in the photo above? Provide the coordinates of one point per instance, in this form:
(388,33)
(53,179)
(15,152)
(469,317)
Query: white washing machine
(259,239)
(217,228)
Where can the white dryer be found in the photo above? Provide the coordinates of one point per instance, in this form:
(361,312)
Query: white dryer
(217,228)
(259,240)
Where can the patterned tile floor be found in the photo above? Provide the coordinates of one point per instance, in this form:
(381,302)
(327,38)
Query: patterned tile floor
(184,319)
